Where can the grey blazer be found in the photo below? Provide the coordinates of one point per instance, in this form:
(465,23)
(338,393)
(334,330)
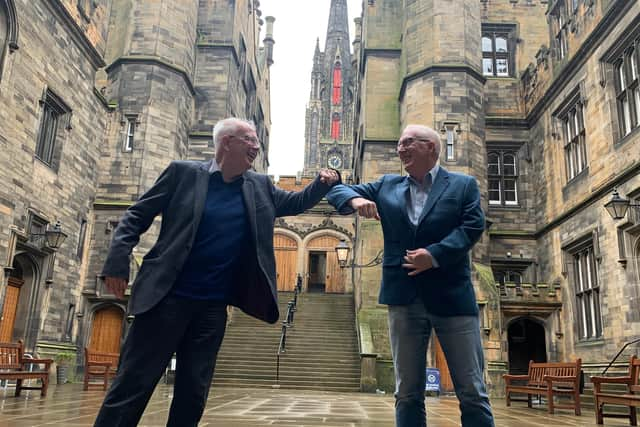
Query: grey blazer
(179,196)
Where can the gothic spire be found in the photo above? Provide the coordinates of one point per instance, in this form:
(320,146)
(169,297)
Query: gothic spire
(338,20)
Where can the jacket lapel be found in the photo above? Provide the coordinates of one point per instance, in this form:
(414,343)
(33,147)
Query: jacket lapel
(250,206)
(200,190)
(438,187)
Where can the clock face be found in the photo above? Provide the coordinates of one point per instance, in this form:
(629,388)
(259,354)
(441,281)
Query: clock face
(334,161)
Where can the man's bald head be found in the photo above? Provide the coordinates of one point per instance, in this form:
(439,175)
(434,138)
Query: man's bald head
(427,133)
(419,150)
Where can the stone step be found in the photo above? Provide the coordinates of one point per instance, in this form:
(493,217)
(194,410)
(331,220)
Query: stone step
(287,375)
(288,386)
(296,357)
(339,382)
(322,349)
(291,343)
(319,368)
(298,335)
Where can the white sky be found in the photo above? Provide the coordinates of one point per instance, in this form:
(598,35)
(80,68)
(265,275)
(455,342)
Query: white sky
(295,30)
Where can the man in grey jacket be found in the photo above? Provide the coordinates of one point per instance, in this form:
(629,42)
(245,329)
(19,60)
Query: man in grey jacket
(215,249)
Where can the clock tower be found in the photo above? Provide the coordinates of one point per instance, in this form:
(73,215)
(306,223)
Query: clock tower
(329,115)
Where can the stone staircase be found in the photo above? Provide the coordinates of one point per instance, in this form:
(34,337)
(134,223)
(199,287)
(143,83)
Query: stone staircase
(321,347)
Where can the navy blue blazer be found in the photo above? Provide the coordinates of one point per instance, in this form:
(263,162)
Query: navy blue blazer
(451,223)
(179,196)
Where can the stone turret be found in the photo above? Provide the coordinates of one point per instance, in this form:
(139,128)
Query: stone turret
(268,39)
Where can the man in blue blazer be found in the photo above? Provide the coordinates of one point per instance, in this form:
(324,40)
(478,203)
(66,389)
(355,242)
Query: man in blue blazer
(215,248)
(430,220)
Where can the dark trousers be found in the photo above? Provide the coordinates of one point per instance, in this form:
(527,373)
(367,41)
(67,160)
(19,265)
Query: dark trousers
(193,329)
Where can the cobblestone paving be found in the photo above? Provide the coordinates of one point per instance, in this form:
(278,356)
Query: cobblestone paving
(69,406)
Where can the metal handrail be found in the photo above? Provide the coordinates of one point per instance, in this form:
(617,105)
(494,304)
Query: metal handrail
(619,353)
(288,322)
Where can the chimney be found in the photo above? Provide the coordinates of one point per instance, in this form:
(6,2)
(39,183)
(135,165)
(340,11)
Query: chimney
(268,39)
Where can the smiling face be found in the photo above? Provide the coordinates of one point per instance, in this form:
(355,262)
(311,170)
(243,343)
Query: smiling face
(238,149)
(418,149)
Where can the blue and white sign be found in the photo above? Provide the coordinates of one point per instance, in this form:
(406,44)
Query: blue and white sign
(433,380)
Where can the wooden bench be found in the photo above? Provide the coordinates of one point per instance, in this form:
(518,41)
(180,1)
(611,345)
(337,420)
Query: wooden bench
(13,366)
(548,379)
(99,365)
(630,398)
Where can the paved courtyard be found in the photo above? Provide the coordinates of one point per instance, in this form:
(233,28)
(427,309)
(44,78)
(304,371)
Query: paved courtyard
(69,406)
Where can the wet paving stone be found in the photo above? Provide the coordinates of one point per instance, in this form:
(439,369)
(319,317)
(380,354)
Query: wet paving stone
(69,405)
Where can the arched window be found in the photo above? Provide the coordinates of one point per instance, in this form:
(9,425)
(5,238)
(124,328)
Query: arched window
(337,84)
(335,126)
(502,169)
(4,33)
(8,30)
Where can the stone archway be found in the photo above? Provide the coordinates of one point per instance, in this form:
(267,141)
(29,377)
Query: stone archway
(19,296)
(527,341)
(324,272)
(8,30)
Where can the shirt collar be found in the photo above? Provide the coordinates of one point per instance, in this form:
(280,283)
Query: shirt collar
(433,172)
(214,166)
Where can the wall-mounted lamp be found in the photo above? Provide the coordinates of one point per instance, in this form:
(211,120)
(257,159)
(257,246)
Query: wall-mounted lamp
(342,252)
(53,236)
(617,206)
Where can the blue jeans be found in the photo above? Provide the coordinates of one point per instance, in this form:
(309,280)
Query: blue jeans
(409,331)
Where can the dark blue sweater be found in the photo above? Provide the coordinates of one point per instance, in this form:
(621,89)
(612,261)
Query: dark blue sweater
(218,243)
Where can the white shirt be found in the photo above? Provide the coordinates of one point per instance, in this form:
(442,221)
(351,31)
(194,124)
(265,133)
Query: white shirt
(419,193)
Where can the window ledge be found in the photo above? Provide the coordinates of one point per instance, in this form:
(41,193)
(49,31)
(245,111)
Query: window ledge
(575,181)
(43,163)
(506,207)
(514,78)
(630,136)
(593,342)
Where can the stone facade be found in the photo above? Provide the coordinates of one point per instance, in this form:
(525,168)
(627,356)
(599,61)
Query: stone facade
(132,86)
(553,267)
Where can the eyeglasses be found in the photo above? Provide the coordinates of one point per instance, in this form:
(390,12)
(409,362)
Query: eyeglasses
(253,142)
(407,142)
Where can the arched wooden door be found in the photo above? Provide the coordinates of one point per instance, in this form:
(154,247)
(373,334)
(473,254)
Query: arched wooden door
(106,330)
(334,280)
(446,384)
(10,309)
(286,250)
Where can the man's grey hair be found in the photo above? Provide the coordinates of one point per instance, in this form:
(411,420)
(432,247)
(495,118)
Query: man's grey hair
(228,126)
(430,133)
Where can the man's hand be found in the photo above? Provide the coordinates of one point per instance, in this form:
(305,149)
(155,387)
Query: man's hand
(328,176)
(365,208)
(418,260)
(117,285)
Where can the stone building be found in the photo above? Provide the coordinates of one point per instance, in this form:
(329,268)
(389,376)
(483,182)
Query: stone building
(306,244)
(96,98)
(539,101)
(329,115)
